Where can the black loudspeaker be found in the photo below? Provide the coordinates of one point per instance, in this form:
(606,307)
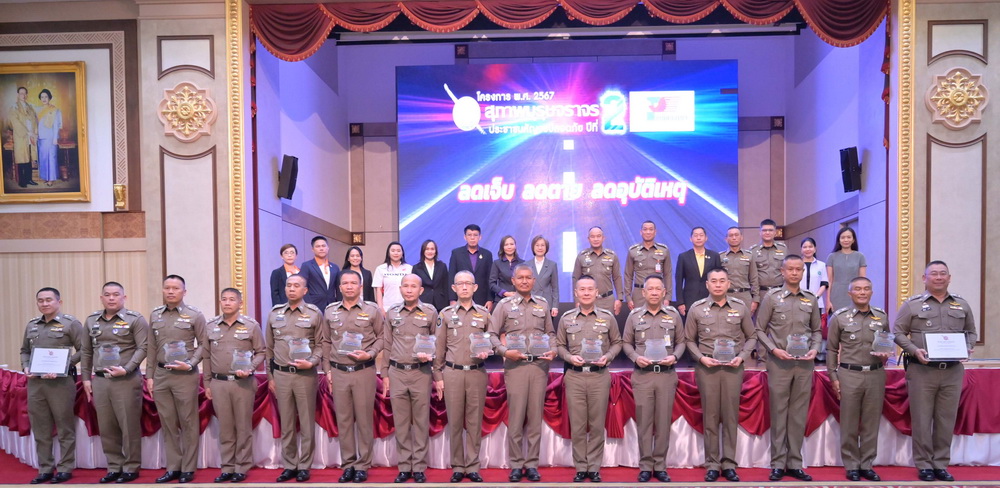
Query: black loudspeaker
(850,169)
(287,175)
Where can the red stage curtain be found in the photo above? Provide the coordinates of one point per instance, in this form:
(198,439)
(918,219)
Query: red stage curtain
(598,12)
(291,32)
(759,12)
(681,11)
(363,17)
(843,23)
(448,16)
(517,15)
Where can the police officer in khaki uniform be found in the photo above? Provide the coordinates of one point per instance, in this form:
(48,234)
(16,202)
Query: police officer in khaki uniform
(354,337)
(654,382)
(461,375)
(768,256)
(587,381)
(719,317)
(934,385)
(784,311)
(602,265)
(858,378)
(117,346)
(409,377)
(644,259)
(233,339)
(525,374)
(293,336)
(740,265)
(174,382)
(51,397)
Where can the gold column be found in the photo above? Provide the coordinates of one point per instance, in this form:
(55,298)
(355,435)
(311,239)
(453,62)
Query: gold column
(905,43)
(237,206)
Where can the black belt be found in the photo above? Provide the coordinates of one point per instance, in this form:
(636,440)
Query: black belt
(765,288)
(859,367)
(656,368)
(605,295)
(229,377)
(102,374)
(463,367)
(590,368)
(938,364)
(288,369)
(638,286)
(354,367)
(164,366)
(406,366)
(738,290)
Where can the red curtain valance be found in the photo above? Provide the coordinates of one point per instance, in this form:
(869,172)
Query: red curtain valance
(293,32)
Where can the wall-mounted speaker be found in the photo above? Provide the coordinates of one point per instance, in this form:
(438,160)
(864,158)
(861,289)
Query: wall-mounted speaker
(850,169)
(287,175)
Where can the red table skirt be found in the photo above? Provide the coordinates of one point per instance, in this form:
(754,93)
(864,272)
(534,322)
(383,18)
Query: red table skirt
(977,412)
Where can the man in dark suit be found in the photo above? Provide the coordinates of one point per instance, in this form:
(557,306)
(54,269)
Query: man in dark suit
(475,260)
(692,268)
(321,275)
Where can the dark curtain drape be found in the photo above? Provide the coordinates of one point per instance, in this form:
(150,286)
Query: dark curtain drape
(293,32)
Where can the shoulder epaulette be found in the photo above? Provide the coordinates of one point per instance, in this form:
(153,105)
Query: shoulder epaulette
(956,295)
(426,306)
(637,310)
(538,298)
(374,304)
(778,289)
(249,319)
(481,308)
(609,251)
(609,312)
(335,304)
(915,297)
(450,308)
(96,313)
(672,308)
(214,319)
(571,311)
(755,246)
(68,316)
(809,292)
(879,310)
(132,312)
(841,310)
(314,307)
(506,299)
(397,307)
(661,244)
(280,305)
(737,300)
(35,319)
(635,246)
(699,302)
(585,251)
(160,308)
(780,244)
(193,308)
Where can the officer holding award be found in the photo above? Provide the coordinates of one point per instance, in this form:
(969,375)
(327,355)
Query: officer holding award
(653,340)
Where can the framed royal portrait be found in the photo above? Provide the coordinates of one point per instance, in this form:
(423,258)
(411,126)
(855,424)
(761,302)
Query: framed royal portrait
(43,131)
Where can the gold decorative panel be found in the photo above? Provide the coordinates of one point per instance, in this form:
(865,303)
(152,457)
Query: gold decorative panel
(957,99)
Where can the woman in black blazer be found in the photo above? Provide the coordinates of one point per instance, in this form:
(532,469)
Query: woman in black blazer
(278,277)
(502,272)
(354,261)
(434,275)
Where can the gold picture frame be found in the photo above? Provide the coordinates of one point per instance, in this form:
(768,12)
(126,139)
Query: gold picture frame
(43,133)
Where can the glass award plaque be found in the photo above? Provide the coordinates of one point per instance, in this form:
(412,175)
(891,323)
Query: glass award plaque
(517,342)
(479,342)
(538,344)
(298,348)
(656,350)
(175,351)
(884,342)
(242,361)
(426,344)
(725,350)
(590,350)
(798,345)
(108,356)
(350,342)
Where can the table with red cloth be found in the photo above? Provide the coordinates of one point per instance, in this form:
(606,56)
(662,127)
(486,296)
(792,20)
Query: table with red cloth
(977,413)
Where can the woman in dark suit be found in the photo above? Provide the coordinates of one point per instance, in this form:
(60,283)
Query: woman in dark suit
(434,275)
(354,260)
(288,254)
(502,272)
(546,274)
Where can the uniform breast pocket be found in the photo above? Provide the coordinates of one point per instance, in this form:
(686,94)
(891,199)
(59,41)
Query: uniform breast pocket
(780,315)
(32,334)
(56,334)
(304,324)
(733,319)
(851,333)
(242,336)
(215,335)
(122,331)
(574,329)
(806,307)
(183,325)
(641,327)
(957,317)
(157,325)
(538,312)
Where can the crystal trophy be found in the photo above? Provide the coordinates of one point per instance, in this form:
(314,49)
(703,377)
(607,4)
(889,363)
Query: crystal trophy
(798,345)
(108,356)
(590,350)
(538,343)
(725,350)
(175,351)
(426,344)
(656,350)
(241,361)
(517,342)
(350,342)
(298,348)
(884,343)
(479,342)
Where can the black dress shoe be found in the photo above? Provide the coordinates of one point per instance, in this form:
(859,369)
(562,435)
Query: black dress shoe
(943,475)
(114,475)
(346,476)
(126,477)
(239,477)
(186,477)
(419,476)
(870,475)
(360,476)
(41,478)
(645,476)
(730,474)
(853,475)
(302,476)
(224,477)
(798,474)
(532,474)
(402,476)
(594,476)
(711,475)
(474,477)
(776,474)
(62,477)
(661,476)
(32,183)
(457,477)
(580,477)
(168,476)
(926,474)
(286,475)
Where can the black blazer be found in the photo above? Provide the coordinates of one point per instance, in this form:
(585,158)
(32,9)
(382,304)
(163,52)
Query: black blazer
(690,285)
(367,292)
(435,289)
(460,262)
(501,276)
(319,294)
(278,286)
